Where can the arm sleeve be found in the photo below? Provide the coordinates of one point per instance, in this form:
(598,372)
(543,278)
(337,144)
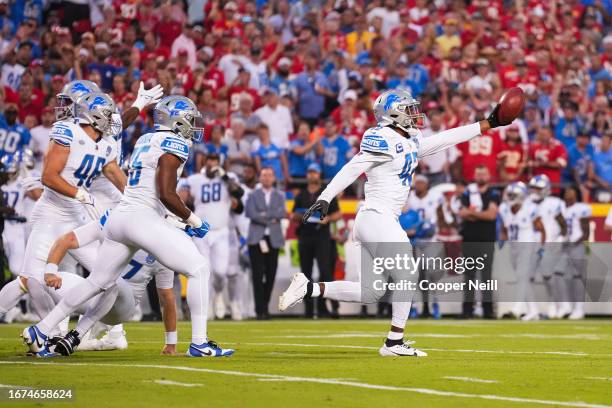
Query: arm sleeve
(61,134)
(443,140)
(349,173)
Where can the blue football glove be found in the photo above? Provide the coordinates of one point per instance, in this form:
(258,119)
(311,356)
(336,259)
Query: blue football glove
(199,232)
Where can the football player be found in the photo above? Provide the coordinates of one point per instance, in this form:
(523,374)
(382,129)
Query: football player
(520,222)
(138,222)
(14,137)
(389,156)
(577,216)
(215,194)
(550,209)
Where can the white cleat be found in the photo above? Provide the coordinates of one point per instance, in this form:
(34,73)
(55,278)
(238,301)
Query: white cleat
(110,341)
(401,350)
(576,315)
(236,311)
(530,317)
(553,312)
(295,292)
(564,310)
(12,315)
(219,306)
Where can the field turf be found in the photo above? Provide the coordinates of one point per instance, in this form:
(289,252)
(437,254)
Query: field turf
(297,363)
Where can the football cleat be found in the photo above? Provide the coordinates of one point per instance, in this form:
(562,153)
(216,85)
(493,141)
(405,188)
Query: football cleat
(401,350)
(108,342)
(531,316)
(565,309)
(68,344)
(577,314)
(34,339)
(45,353)
(295,292)
(210,349)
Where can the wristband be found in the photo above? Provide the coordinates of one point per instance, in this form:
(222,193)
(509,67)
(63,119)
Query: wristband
(194,220)
(51,268)
(171,337)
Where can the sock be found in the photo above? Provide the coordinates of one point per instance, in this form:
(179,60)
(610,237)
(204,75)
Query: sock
(197,300)
(399,314)
(103,304)
(344,291)
(316,290)
(10,295)
(41,302)
(233,287)
(75,297)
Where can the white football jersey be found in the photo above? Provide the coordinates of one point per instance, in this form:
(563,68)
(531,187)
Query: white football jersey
(548,210)
(572,216)
(520,225)
(141,269)
(141,190)
(14,196)
(85,162)
(211,199)
(389,161)
(427,206)
(388,183)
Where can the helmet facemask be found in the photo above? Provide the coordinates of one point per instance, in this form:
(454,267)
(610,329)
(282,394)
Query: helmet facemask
(65,107)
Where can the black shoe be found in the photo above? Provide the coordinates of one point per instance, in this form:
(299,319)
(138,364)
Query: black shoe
(54,340)
(68,344)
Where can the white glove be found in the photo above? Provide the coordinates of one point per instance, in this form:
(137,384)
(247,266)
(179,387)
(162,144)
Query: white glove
(148,97)
(89,203)
(31,183)
(220,171)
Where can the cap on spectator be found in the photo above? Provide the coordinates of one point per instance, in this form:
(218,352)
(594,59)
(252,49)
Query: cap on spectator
(57,78)
(198,27)
(208,51)
(171,65)
(230,5)
(61,31)
(350,94)
(332,15)
(314,167)
(247,19)
(183,52)
(35,63)
(364,61)
(481,61)
(421,177)
(88,35)
(101,46)
(283,61)
(84,52)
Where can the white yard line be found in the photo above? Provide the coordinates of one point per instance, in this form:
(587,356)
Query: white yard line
(470,379)
(561,353)
(21,387)
(331,381)
(371,335)
(599,378)
(178,384)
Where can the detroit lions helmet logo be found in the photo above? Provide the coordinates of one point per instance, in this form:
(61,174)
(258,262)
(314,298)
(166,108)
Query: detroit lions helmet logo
(390,99)
(79,88)
(98,101)
(178,107)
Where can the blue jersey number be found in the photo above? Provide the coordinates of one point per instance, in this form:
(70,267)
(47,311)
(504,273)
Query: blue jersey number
(211,192)
(136,165)
(513,230)
(88,171)
(410,165)
(135,267)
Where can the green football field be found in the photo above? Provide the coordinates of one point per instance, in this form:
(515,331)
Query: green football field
(296,363)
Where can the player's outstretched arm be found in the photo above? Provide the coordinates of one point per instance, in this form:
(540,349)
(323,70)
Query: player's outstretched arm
(144,98)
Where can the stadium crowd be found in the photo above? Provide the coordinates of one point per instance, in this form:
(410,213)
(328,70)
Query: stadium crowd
(283,84)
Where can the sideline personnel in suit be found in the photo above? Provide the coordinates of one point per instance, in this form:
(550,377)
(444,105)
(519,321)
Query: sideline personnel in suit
(265,208)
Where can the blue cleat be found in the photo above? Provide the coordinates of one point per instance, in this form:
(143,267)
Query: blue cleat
(45,353)
(210,349)
(34,339)
(414,313)
(437,314)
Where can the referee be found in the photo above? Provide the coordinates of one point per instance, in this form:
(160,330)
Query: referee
(314,238)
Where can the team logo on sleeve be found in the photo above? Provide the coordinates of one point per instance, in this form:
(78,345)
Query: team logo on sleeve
(374,143)
(150,260)
(108,150)
(399,148)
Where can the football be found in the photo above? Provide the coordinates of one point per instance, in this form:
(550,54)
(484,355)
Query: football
(511,105)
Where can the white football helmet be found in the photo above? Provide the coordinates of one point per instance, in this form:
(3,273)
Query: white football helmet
(71,92)
(96,109)
(178,114)
(515,193)
(539,187)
